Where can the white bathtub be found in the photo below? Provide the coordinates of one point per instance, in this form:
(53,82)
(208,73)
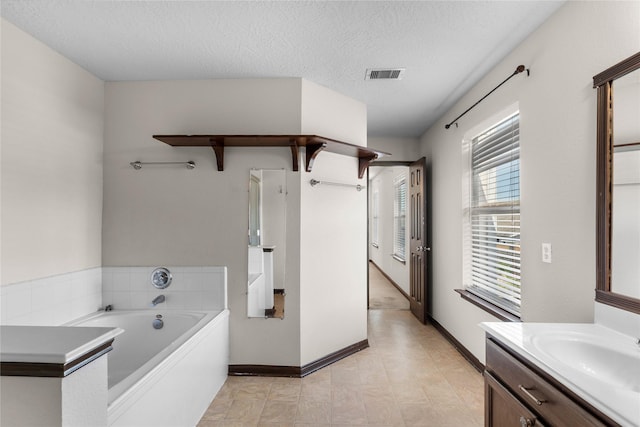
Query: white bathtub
(168,376)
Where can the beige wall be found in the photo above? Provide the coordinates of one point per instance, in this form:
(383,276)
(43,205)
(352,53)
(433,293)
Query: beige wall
(558,159)
(171,215)
(52,134)
(401,149)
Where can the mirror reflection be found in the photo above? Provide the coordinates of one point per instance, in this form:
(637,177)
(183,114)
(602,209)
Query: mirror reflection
(267,248)
(625,210)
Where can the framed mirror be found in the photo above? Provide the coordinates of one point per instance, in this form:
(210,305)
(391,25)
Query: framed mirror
(267,231)
(618,177)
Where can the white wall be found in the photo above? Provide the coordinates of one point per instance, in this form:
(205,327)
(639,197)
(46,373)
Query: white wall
(52,134)
(558,166)
(383,182)
(401,149)
(333,230)
(333,259)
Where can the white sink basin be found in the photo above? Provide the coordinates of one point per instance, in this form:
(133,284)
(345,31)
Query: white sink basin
(600,365)
(617,366)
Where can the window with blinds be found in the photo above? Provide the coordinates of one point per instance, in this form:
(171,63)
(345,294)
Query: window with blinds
(399,218)
(495,215)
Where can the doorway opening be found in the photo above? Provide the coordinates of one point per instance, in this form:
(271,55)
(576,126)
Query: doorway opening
(397,249)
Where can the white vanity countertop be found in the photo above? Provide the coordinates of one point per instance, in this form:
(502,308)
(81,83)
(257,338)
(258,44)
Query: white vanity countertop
(51,344)
(599,364)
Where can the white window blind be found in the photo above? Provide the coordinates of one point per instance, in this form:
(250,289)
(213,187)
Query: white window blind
(375,200)
(495,215)
(399,218)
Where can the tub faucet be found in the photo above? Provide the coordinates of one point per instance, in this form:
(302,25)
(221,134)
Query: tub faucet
(157,300)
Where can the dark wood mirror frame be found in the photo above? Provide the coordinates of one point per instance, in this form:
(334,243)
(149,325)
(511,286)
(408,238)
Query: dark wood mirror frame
(604,84)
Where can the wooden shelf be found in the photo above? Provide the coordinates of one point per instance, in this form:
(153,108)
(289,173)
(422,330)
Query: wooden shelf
(314,145)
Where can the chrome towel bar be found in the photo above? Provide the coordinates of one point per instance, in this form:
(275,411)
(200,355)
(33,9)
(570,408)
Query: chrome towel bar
(138,165)
(315,182)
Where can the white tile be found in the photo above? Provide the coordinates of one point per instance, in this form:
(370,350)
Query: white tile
(18,301)
(189,282)
(121,281)
(140,280)
(211,301)
(191,300)
(176,300)
(43,294)
(20,320)
(142,299)
(107,297)
(121,300)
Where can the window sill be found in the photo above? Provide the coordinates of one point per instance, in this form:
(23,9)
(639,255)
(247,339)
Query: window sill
(487,306)
(397,258)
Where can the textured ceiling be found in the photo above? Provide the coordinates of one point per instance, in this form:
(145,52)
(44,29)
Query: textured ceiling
(445,46)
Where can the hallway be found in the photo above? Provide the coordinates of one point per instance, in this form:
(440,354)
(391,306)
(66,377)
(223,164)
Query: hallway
(409,376)
(382,294)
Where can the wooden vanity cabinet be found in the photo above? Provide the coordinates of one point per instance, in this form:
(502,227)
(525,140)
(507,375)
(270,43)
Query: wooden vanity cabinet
(519,394)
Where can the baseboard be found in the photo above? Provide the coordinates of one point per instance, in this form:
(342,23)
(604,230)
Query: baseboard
(297,371)
(458,346)
(390,280)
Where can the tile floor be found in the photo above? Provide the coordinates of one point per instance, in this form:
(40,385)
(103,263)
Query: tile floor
(409,376)
(382,294)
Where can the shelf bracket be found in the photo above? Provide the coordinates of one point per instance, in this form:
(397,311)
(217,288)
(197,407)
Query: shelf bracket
(294,154)
(364,162)
(313,149)
(218,148)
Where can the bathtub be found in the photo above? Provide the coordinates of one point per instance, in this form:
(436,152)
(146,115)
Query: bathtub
(167,376)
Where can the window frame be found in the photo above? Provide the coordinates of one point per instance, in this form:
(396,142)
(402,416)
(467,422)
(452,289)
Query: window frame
(400,218)
(479,295)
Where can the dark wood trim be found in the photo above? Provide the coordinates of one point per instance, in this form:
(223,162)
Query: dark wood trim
(477,364)
(623,302)
(313,143)
(364,162)
(620,69)
(312,152)
(604,140)
(218,148)
(390,280)
(295,155)
(384,163)
(53,370)
(487,306)
(297,371)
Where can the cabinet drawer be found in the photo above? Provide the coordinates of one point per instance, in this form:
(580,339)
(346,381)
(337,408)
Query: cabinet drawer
(504,409)
(540,396)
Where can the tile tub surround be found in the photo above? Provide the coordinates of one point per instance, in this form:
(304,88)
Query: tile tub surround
(192,288)
(51,301)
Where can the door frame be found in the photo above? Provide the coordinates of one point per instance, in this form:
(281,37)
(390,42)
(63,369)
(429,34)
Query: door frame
(427,211)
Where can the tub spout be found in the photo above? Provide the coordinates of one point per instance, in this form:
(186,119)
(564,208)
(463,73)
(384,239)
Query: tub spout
(157,300)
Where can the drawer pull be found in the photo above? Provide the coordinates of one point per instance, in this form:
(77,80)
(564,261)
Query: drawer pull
(527,422)
(531,396)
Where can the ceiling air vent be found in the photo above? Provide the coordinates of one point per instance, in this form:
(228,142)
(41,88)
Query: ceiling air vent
(384,73)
